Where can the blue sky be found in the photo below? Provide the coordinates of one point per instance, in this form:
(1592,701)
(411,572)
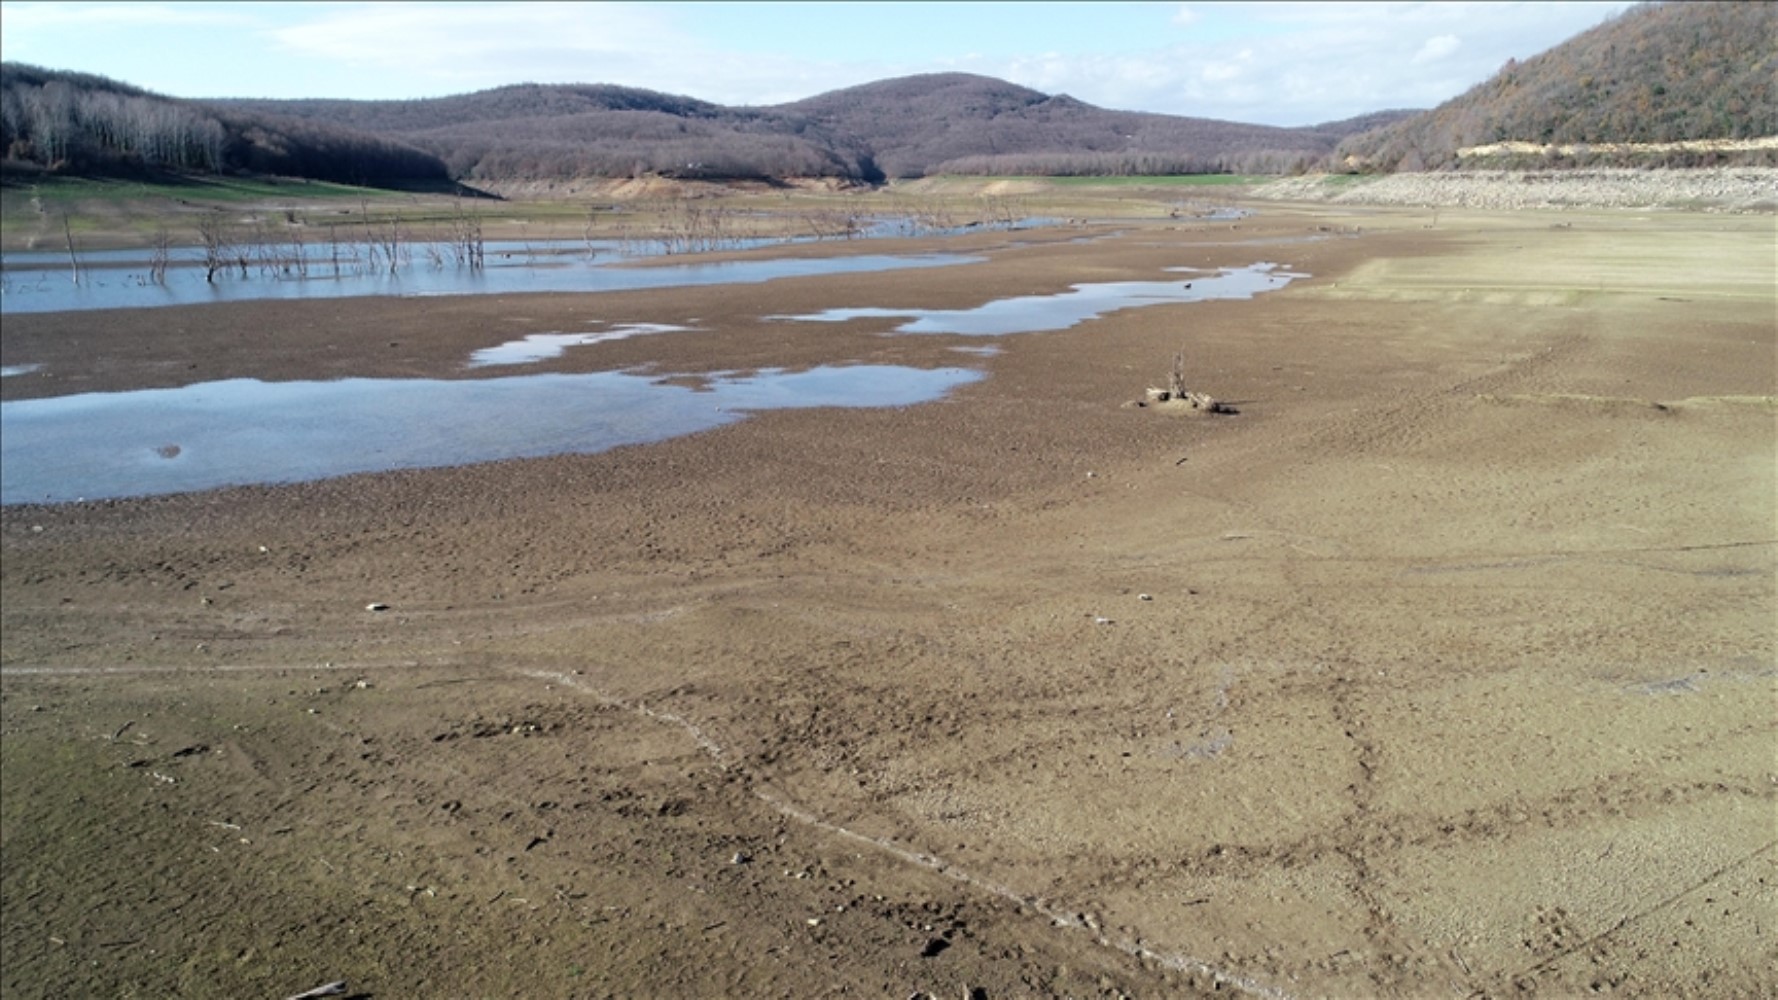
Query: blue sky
(1267,63)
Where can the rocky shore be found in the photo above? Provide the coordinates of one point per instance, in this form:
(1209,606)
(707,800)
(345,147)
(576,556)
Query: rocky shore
(1723,189)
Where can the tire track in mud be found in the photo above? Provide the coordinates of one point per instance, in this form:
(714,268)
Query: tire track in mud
(1381,928)
(1059,915)
(1409,423)
(1611,797)
(221,668)
(1295,611)
(1405,422)
(1520,980)
(1372,833)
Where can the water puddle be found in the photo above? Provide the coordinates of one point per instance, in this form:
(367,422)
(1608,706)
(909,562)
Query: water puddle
(1036,313)
(1224,214)
(543,346)
(1272,241)
(1676,685)
(8,371)
(32,286)
(244,431)
(909,226)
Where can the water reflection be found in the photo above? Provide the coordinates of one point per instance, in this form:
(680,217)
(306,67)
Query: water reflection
(242,431)
(543,346)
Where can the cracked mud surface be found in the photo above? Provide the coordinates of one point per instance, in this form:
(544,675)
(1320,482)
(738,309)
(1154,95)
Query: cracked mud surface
(1454,675)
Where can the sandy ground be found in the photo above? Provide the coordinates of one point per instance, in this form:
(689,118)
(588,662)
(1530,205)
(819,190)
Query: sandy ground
(1444,668)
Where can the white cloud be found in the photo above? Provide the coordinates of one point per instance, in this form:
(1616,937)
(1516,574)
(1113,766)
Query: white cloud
(403,33)
(1227,70)
(472,46)
(504,43)
(1185,15)
(1436,48)
(28,16)
(1317,62)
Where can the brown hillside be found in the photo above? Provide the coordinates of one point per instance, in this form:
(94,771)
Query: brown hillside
(900,128)
(1658,73)
(961,123)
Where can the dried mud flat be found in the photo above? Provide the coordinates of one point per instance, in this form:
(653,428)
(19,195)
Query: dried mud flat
(1444,668)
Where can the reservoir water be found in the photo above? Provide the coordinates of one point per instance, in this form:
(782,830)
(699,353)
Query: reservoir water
(36,286)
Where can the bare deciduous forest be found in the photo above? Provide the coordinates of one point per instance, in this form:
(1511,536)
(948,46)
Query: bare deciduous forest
(79,124)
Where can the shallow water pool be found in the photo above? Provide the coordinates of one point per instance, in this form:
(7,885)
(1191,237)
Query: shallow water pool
(1036,313)
(244,431)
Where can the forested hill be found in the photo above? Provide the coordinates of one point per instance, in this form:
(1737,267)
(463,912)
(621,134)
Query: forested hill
(909,127)
(537,132)
(960,123)
(76,123)
(906,127)
(1688,76)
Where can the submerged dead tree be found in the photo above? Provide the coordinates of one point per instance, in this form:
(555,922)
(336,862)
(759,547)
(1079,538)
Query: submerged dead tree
(213,235)
(467,246)
(160,255)
(73,257)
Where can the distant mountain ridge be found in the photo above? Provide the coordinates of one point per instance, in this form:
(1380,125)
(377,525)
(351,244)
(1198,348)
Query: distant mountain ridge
(899,128)
(1672,84)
